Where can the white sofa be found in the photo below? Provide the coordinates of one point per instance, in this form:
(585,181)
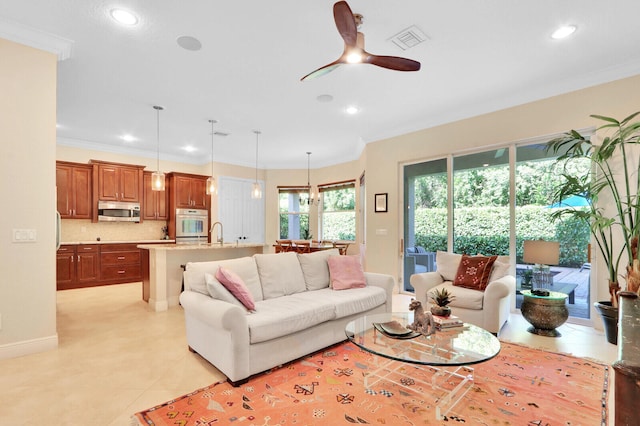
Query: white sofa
(488,309)
(296,312)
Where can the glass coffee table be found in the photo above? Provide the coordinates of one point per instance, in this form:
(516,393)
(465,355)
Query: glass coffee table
(441,361)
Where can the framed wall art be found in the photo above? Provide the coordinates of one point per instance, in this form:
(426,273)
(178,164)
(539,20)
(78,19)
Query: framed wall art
(380,204)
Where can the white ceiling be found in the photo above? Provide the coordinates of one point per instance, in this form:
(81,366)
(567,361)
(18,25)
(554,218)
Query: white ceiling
(481,56)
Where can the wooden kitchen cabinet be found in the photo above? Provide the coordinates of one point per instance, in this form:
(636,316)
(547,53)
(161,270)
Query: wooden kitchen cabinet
(117,182)
(155,203)
(120,263)
(74,189)
(77,266)
(188,191)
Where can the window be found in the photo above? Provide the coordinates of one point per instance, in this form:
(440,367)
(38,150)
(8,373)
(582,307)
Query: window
(338,217)
(294,215)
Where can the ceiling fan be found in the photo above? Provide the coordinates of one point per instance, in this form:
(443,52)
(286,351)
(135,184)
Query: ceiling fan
(354,53)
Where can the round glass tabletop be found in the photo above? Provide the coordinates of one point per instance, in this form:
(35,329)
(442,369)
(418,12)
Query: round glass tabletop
(386,335)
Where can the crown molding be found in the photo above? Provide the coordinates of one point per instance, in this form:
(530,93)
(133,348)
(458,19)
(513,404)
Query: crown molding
(19,33)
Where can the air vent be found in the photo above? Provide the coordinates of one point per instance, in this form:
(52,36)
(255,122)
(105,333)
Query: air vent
(409,37)
(221,134)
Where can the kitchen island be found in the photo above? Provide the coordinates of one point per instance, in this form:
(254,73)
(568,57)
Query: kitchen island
(163,282)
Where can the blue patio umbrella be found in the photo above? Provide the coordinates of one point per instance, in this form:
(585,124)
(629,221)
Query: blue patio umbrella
(573,201)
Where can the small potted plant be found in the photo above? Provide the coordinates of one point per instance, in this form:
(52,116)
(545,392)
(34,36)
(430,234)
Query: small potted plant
(441,297)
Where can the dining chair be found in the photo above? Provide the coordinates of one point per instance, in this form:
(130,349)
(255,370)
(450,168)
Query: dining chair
(283,246)
(303,247)
(342,247)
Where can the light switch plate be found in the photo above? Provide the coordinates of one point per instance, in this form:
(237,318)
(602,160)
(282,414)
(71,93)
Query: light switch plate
(24,235)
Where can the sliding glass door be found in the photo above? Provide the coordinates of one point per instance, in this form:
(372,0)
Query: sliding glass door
(481,203)
(467,201)
(537,177)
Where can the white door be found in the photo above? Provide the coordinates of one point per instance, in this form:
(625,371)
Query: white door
(242,216)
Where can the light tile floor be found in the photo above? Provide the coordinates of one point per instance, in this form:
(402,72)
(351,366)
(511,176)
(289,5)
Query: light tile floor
(117,357)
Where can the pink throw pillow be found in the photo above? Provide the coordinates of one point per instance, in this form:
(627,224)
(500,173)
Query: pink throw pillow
(474,272)
(232,282)
(346,272)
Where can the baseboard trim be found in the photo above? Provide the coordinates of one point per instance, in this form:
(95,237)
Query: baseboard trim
(28,347)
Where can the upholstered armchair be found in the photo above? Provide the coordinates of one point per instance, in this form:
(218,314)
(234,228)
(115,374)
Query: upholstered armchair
(483,295)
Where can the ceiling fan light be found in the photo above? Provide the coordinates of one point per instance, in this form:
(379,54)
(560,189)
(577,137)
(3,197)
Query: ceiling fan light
(354,57)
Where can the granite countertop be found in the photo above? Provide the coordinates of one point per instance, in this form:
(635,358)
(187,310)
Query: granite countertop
(203,246)
(67,243)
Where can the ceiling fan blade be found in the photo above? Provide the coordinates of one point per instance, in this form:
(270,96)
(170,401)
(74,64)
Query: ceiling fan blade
(393,62)
(322,70)
(345,22)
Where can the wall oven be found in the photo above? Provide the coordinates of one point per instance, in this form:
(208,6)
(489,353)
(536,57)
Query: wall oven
(192,226)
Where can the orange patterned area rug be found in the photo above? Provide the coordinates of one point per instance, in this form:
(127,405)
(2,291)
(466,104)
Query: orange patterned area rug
(520,386)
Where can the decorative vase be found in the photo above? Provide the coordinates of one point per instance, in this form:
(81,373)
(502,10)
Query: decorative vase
(441,311)
(609,316)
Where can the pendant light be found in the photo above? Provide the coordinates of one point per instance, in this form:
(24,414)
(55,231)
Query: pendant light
(310,192)
(256,190)
(157,177)
(211,181)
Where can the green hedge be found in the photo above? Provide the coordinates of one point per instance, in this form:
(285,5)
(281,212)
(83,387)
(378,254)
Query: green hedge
(486,230)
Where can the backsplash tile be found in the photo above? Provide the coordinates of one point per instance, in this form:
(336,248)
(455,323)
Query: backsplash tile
(74,230)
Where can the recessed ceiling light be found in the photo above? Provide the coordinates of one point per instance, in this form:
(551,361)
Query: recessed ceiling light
(128,138)
(352,109)
(124,16)
(190,148)
(563,32)
(189,43)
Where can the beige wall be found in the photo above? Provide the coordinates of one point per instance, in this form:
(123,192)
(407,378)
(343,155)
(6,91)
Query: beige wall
(545,117)
(27,186)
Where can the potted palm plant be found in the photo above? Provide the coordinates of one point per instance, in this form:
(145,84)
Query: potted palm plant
(615,221)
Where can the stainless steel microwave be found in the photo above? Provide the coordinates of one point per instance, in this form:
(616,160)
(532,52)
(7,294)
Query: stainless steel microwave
(117,211)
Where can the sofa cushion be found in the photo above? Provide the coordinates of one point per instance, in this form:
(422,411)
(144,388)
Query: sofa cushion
(350,301)
(284,315)
(218,291)
(232,282)
(245,267)
(280,274)
(346,272)
(474,271)
(447,264)
(464,297)
(315,268)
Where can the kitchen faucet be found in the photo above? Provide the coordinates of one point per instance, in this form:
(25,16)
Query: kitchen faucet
(221,237)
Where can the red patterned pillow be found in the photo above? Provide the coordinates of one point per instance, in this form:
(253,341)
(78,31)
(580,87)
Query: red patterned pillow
(232,282)
(474,272)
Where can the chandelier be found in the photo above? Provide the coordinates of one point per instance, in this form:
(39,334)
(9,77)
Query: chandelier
(310,199)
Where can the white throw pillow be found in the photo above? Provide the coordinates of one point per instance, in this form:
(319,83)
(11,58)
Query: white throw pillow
(194,281)
(217,291)
(280,274)
(447,264)
(500,269)
(315,268)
